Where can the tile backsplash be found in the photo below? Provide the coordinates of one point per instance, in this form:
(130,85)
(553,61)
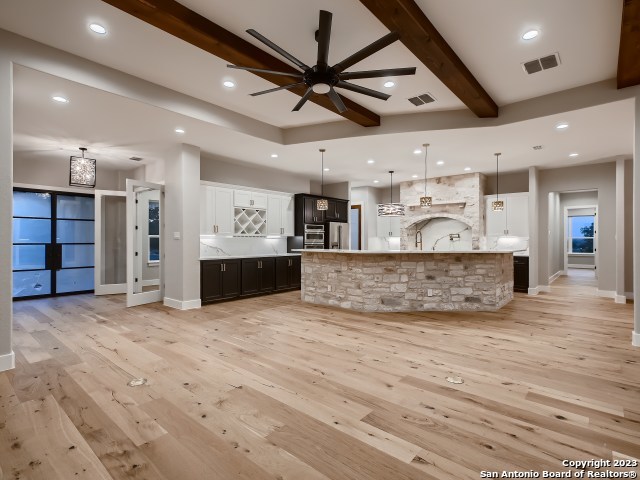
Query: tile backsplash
(212,246)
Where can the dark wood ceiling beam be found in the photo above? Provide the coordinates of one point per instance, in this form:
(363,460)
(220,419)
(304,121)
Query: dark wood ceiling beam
(179,21)
(420,36)
(629,53)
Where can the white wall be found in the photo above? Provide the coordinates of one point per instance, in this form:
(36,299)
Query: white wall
(6,200)
(238,173)
(628,222)
(53,172)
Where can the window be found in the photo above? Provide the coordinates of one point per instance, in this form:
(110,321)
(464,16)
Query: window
(154,231)
(581,232)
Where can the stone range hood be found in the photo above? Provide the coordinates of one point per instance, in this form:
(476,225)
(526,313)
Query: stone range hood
(458,197)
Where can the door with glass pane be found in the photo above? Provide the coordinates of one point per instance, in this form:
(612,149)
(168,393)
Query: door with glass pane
(53,243)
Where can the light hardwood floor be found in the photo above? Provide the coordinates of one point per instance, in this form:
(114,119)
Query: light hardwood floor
(272,388)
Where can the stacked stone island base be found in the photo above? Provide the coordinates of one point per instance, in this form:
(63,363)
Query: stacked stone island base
(407,281)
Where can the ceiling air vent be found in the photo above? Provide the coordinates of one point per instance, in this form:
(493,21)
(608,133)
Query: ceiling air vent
(542,63)
(537,147)
(422,99)
(135,159)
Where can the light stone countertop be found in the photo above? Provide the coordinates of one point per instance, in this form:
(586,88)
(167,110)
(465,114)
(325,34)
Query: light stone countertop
(400,252)
(257,255)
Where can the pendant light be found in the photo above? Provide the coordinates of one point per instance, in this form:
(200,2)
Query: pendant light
(391,209)
(82,171)
(425,202)
(322,203)
(497,205)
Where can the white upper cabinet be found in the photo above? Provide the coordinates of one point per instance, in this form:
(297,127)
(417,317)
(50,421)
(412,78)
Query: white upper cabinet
(249,199)
(388,226)
(513,220)
(280,215)
(216,210)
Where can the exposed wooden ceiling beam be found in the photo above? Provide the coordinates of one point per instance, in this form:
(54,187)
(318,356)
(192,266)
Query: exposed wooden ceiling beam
(420,36)
(179,21)
(629,54)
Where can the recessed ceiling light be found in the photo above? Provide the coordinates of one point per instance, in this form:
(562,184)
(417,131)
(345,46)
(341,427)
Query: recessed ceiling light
(371,161)
(467,169)
(326,169)
(179,130)
(417,151)
(97,28)
(414,176)
(274,155)
(574,154)
(60,99)
(530,35)
(228,84)
(562,126)
(376,181)
(440,162)
(389,84)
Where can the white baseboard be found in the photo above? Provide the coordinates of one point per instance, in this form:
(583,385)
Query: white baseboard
(151,283)
(635,339)
(7,362)
(553,277)
(533,291)
(182,305)
(577,265)
(620,298)
(607,293)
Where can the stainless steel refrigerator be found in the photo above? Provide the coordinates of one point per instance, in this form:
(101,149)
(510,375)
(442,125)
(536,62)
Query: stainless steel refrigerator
(339,237)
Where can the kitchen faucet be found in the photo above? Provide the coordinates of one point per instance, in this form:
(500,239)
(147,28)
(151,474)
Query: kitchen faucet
(419,239)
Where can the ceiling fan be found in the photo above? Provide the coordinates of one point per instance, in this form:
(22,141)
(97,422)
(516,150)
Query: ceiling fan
(322,78)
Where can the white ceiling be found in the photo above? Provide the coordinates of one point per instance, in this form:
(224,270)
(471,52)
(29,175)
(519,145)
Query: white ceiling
(486,35)
(116,128)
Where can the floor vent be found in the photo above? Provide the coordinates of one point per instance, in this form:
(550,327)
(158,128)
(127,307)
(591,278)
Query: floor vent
(542,63)
(422,99)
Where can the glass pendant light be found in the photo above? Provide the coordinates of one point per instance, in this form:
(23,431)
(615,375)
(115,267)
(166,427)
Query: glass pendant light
(391,209)
(497,205)
(322,203)
(426,201)
(82,171)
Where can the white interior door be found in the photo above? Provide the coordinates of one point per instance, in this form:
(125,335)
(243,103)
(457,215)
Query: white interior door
(110,273)
(145,246)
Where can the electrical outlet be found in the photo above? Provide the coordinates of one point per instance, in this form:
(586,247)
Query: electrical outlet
(430,292)
(328,288)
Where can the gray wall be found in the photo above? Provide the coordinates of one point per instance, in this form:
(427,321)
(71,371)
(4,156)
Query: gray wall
(368,198)
(600,177)
(6,200)
(220,170)
(628,226)
(512,182)
(54,172)
(338,190)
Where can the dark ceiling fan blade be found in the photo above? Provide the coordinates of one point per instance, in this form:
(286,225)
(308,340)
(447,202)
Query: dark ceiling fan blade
(284,87)
(275,47)
(337,101)
(363,90)
(324,38)
(262,70)
(379,44)
(390,72)
(303,100)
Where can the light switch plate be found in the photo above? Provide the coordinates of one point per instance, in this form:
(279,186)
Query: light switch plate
(176,235)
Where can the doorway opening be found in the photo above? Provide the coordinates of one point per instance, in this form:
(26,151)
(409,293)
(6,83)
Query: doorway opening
(355,219)
(53,243)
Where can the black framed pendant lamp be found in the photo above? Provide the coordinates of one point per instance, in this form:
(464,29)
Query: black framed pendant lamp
(82,171)
(497,205)
(322,203)
(391,209)
(425,201)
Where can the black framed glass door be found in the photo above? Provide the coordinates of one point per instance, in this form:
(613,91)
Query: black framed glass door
(53,243)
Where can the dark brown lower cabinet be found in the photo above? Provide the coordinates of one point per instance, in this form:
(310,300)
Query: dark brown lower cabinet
(219,279)
(288,273)
(521,274)
(226,279)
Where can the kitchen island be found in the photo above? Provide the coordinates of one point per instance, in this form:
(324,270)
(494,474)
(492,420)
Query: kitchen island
(406,281)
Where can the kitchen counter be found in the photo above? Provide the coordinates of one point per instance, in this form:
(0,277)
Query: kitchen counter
(405,281)
(408,252)
(230,257)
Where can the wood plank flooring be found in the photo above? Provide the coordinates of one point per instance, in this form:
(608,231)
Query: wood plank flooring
(272,388)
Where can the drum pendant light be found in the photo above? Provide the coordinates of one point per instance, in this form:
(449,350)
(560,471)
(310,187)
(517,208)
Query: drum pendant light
(391,209)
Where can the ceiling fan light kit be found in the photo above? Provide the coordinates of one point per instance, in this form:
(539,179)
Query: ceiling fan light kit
(322,79)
